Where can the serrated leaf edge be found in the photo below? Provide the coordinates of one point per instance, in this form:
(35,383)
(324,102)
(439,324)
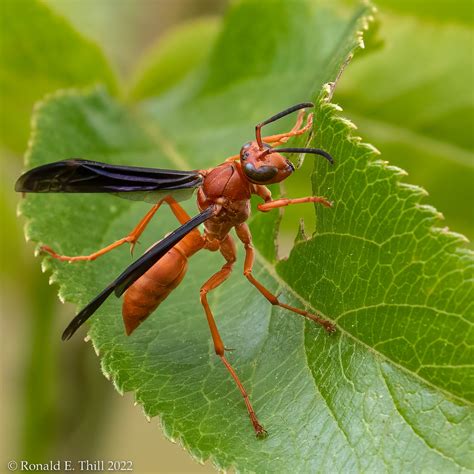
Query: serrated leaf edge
(418,193)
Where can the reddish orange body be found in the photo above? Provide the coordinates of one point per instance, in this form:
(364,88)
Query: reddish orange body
(151,289)
(225,192)
(225,186)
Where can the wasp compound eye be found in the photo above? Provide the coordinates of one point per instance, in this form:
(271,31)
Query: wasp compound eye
(260,175)
(244,151)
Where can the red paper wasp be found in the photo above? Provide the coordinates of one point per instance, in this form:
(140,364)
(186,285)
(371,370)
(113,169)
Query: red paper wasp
(223,198)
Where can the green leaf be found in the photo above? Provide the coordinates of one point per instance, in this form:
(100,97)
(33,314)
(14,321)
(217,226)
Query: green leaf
(440,11)
(437,12)
(39,53)
(419,115)
(391,390)
(173,57)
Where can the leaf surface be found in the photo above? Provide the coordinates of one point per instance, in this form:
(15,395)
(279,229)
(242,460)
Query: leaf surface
(391,390)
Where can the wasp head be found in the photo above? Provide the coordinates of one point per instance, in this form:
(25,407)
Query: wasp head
(265,166)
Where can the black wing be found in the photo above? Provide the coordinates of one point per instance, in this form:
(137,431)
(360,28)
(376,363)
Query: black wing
(136,270)
(83,176)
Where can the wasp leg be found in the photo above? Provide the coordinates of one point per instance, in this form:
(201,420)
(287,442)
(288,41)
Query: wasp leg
(229,253)
(281,138)
(131,238)
(179,212)
(232,158)
(269,205)
(243,232)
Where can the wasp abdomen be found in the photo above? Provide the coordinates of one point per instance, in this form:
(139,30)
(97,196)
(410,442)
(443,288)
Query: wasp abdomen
(152,288)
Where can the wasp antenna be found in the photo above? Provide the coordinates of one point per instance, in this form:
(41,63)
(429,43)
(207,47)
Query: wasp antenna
(314,151)
(278,116)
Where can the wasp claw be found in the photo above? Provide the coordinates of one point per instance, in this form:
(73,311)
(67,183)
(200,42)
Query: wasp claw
(260,432)
(330,328)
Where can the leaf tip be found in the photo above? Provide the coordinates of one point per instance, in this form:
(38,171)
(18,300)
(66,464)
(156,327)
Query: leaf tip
(105,373)
(371,148)
(455,235)
(44,268)
(97,351)
(349,123)
(413,188)
(116,386)
(396,170)
(431,210)
(365,22)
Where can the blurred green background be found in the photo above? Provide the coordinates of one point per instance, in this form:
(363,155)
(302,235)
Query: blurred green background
(55,402)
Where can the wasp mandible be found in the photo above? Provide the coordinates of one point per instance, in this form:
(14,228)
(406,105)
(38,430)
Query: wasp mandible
(223,198)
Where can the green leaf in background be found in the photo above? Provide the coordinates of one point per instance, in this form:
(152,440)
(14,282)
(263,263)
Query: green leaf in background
(173,57)
(39,52)
(414,100)
(31,64)
(391,390)
(438,11)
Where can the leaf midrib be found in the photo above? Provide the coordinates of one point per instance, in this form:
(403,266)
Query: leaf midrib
(170,151)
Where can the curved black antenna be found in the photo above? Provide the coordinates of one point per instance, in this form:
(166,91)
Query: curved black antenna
(278,116)
(314,151)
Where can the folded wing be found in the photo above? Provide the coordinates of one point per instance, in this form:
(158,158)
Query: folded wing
(136,270)
(84,176)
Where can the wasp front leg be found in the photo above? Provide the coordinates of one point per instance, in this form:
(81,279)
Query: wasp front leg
(297,129)
(270,204)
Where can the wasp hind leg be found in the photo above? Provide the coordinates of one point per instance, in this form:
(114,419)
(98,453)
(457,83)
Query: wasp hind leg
(243,232)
